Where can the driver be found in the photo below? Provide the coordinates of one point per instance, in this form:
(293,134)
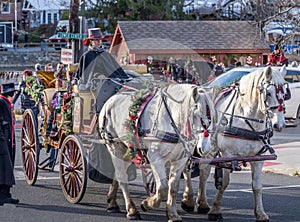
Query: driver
(97,63)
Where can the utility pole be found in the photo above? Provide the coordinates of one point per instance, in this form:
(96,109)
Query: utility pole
(74,28)
(16,15)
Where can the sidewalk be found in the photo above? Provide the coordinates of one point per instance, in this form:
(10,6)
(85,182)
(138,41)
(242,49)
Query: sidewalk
(287,162)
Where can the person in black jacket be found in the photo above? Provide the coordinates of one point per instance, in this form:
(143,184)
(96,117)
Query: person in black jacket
(97,63)
(7,144)
(98,70)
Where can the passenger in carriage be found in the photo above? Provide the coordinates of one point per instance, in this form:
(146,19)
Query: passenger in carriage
(7,144)
(49,67)
(52,130)
(38,67)
(51,125)
(98,63)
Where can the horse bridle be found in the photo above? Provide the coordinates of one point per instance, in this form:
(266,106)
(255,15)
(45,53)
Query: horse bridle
(185,140)
(280,96)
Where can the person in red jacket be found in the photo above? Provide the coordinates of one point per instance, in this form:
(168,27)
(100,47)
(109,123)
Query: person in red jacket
(277,57)
(7,143)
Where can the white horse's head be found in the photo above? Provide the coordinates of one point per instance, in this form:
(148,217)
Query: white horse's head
(265,91)
(203,120)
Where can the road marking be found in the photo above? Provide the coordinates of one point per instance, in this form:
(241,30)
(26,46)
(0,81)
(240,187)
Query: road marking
(265,188)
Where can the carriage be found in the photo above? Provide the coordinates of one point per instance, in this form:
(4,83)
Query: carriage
(65,128)
(76,122)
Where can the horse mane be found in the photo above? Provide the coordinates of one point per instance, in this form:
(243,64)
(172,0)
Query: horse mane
(249,89)
(250,86)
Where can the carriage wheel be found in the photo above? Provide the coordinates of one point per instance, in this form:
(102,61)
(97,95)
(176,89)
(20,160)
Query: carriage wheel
(30,146)
(149,182)
(73,169)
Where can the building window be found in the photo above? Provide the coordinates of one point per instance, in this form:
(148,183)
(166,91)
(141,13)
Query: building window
(44,18)
(5,8)
(55,17)
(49,18)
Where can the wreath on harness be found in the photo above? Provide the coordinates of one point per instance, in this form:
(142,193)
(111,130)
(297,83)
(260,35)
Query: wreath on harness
(134,149)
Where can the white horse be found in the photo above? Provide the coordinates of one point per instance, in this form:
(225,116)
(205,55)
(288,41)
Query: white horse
(246,117)
(174,122)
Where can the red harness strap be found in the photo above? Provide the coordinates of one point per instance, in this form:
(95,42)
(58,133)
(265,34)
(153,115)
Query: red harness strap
(138,158)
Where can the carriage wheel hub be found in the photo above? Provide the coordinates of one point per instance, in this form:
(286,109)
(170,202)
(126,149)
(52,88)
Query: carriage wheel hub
(70,169)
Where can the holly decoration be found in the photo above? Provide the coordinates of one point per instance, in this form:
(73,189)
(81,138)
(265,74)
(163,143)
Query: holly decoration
(138,98)
(66,112)
(33,89)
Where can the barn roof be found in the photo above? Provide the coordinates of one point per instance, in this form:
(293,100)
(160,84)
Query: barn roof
(195,35)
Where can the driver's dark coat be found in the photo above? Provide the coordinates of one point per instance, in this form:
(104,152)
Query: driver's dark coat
(7,151)
(98,61)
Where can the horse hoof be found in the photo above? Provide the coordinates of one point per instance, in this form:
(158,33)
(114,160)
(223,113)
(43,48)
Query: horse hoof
(135,216)
(144,208)
(187,208)
(215,217)
(113,210)
(203,210)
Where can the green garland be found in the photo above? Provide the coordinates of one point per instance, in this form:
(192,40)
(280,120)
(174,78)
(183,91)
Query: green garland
(66,112)
(33,89)
(138,98)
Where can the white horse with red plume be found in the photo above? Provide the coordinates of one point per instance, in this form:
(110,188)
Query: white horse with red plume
(247,114)
(172,124)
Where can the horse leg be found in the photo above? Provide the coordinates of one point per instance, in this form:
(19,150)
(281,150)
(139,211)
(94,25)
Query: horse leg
(187,202)
(161,181)
(132,212)
(256,168)
(175,173)
(215,212)
(121,176)
(201,200)
(113,206)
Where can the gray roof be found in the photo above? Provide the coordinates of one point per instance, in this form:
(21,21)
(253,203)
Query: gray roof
(195,35)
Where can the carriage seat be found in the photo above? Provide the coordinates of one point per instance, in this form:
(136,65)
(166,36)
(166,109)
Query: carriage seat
(48,95)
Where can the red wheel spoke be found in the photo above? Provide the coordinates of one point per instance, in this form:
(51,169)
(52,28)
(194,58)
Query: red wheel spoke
(72,169)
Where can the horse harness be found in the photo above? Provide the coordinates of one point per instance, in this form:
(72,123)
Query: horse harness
(175,137)
(241,133)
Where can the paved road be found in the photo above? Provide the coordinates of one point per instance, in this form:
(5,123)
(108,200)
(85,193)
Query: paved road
(46,202)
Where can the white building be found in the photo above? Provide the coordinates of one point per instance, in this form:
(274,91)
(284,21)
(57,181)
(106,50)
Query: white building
(38,12)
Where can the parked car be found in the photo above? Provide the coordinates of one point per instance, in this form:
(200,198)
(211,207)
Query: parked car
(292,77)
(293,105)
(58,42)
(3,48)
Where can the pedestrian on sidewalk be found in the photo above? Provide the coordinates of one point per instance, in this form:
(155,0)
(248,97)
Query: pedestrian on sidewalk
(26,39)
(7,144)
(16,39)
(43,42)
